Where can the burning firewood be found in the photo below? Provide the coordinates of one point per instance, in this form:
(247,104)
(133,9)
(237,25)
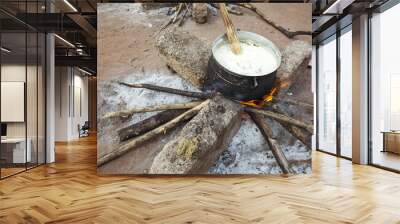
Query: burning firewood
(129,112)
(282,118)
(148,124)
(129,145)
(273,145)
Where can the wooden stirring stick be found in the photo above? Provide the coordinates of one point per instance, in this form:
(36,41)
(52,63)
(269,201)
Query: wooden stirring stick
(230,29)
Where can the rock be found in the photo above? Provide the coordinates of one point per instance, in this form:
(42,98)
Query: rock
(201,141)
(292,57)
(200,12)
(186,54)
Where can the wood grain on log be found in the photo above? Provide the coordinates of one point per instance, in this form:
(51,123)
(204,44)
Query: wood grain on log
(124,148)
(202,139)
(148,124)
(266,131)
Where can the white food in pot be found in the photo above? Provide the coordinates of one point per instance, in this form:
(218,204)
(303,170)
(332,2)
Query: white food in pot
(253,60)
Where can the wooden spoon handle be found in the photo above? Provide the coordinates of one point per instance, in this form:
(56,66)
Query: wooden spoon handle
(230,29)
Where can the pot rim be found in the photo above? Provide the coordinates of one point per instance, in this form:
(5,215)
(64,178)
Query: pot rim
(243,35)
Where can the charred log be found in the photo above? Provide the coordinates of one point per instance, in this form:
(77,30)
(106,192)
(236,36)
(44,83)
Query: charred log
(148,124)
(200,95)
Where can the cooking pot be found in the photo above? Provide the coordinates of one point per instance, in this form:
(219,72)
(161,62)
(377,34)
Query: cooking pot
(241,86)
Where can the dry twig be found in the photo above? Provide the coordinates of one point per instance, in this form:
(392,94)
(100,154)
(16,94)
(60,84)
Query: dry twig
(287,33)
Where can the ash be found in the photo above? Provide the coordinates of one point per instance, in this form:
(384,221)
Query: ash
(248,152)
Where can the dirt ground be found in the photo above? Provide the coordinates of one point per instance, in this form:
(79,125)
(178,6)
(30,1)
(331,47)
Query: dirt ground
(126,33)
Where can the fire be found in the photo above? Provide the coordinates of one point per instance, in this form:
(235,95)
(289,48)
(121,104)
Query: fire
(260,103)
(281,84)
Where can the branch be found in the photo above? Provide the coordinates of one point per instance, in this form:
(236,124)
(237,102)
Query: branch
(129,112)
(293,102)
(123,149)
(148,124)
(287,33)
(274,147)
(199,95)
(283,118)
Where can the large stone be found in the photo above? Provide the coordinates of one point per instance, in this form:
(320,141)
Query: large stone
(201,140)
(200,12)
(292,57)
(186,54)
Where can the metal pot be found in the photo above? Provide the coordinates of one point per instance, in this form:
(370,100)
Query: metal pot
(240,86)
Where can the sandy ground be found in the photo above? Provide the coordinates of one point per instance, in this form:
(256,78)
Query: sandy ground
(126,33)
(126,36)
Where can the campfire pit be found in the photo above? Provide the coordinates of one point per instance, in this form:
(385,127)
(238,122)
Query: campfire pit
(205,140)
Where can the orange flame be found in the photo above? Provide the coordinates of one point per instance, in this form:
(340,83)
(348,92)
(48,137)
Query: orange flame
(260,103)
(281,84)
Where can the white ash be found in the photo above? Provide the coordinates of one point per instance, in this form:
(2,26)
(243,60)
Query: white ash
(114,97)
(248,152)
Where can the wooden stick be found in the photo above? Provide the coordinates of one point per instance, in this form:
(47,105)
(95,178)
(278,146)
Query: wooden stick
(199,95)
(293,102)
(148,124)
(287,33)
(301,134)
(124,148)
(230,29)
(183,17)
(129,112)
(266,131)
(178,11)
(173,18)
(282,118)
